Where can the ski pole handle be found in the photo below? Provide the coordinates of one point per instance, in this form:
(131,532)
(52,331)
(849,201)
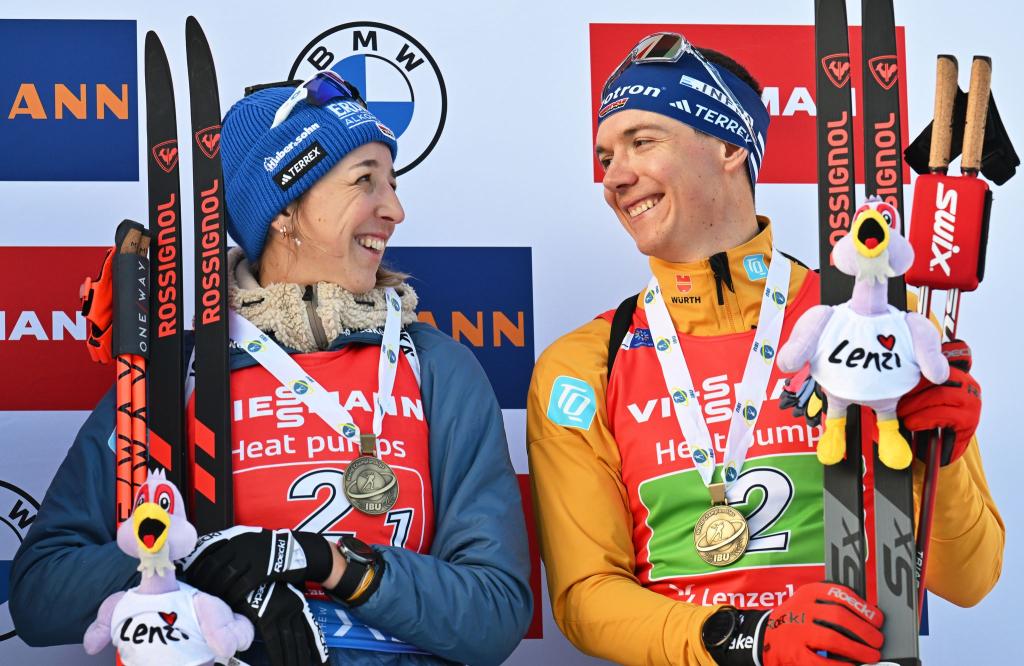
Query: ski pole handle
(977,113)
(946,71)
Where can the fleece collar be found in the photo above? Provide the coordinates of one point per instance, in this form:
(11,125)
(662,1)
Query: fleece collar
(281,311)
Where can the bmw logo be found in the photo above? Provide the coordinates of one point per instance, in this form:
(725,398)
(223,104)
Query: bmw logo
(348,430)
(254,346)
(19,509)
(300,387)
(397,76)
(700,457)
(663,344)
(730,474)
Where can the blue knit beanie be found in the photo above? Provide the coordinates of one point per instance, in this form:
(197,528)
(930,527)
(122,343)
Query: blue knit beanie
(266,169)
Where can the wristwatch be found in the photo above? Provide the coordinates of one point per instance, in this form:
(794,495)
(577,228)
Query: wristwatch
(362,560)
(719,628)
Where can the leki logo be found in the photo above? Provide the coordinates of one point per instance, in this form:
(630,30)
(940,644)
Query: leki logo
(837,67)
(885,70)
(208,140)
(166,155)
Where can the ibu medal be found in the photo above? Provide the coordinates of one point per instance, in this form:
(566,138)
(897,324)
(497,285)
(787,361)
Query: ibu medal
(721,532)
(370,484)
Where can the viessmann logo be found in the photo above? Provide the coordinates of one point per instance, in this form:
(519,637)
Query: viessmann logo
(397,76)
(42,331)
(782,59)
(68,100)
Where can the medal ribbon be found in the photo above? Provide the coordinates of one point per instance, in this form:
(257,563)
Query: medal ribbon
(286,370)
(750,393)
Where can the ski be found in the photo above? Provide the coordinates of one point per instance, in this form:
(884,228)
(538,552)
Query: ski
(845,541)
(894,543)
(166,365)
(211,445)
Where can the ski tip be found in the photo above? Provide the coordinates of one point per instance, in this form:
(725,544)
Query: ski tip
(192,23)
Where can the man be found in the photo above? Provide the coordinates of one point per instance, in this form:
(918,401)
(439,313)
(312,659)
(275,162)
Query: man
(618,493)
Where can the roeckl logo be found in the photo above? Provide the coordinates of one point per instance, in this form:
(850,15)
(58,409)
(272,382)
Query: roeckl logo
(943,248)
(166,155)
(837,68)
(884,70)
(857,604)
(208,140)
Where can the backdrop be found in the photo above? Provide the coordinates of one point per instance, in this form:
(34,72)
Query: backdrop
(506,227)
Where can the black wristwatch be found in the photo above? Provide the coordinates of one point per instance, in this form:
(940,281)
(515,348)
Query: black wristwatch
(720,628)
(733,637)
(359,558)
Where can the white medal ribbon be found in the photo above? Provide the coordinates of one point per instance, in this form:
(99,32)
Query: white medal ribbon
(286,370)
(750,393)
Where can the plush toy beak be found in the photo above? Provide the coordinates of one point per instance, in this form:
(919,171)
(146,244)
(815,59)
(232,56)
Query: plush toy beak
(870,233)
(152,524)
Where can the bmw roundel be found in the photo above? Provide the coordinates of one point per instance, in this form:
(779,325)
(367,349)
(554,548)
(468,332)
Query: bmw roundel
(397,76)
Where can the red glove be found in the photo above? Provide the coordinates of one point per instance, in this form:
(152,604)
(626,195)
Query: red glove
(954,406)
(98,307)
(822,616)
(819,617)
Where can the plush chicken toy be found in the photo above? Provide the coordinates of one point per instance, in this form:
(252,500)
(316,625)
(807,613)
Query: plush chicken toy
(163,621)
(865,351)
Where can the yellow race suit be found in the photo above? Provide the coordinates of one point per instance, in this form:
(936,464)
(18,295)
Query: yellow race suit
(617,590)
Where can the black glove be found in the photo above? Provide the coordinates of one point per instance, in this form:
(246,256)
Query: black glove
(233,562)
(282,618)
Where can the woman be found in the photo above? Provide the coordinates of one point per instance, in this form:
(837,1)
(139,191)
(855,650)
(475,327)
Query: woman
(310,193)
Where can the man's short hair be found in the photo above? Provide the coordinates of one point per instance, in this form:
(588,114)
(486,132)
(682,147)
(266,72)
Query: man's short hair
(721,60)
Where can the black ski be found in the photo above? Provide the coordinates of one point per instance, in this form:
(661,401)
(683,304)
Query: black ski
(166,373)
(843,499)
(894,544)
(211,475)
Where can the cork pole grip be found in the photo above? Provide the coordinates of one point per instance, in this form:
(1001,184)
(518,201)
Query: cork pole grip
(977,111)
(942,127)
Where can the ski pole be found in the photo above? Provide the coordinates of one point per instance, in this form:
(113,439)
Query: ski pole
(949,234)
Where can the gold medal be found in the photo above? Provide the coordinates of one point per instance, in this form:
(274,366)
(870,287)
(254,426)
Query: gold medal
(370,484)
(721,533)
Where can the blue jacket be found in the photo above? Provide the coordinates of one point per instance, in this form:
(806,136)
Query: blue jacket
(467,601)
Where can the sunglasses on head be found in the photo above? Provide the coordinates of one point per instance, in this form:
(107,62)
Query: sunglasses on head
(318,90)
(666,47)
